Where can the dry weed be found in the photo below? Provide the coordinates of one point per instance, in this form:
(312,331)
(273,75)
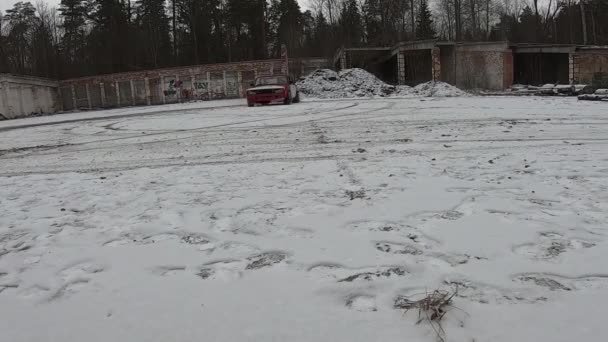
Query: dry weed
(432,308)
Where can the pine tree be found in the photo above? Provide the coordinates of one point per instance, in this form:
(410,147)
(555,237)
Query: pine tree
(21,21)
(351,24)
(152,25)
(110,48)
(73,43)
(286,26)
(424,23)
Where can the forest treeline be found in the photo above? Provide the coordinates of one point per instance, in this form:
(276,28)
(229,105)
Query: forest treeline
(88,37)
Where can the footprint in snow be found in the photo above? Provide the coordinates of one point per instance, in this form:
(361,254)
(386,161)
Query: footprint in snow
(235,268)
(556,282)
(486,294)
(166,271)
(362,302)
(200,240)
(551,245)
(398,248)
(341,274)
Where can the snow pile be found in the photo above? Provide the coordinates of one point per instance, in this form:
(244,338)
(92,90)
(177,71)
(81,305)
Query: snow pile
(349,83)
(352,83)
(438,89)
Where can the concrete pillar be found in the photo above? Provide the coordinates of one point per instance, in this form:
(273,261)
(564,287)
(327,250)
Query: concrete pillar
(147,86)
(74,104)
(103,94)
(225,86)
(132,92)
(209,84)
(400,68)
(162,89)
(117,94)
(178,93)
(239,77)
(21,105)
(436,63)
(571,68)
(193,91)
(343,60)
(4,108)
(88,95)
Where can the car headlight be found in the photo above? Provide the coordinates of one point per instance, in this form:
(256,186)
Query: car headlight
(251,92)
(279,91)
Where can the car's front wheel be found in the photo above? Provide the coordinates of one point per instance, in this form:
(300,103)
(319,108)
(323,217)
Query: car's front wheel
(288,99)
(297,98)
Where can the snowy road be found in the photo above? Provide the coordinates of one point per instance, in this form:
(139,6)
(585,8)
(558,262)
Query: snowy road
(217,222)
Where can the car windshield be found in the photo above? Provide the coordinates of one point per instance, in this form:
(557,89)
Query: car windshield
(271,80)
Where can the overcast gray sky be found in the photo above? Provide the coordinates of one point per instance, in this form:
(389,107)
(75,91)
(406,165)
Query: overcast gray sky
(6,4)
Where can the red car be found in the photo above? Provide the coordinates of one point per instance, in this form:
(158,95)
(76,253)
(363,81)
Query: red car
(272,89)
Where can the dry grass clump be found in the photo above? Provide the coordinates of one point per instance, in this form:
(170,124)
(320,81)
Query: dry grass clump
(432,307)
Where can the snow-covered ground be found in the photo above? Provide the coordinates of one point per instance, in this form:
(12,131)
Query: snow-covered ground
(306,222)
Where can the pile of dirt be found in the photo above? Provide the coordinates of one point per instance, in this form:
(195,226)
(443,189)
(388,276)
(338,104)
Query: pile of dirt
(354,83)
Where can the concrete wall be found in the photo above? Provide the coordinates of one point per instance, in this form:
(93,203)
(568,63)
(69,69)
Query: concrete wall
(588,63)
(22,96)
(171,85)
(300,67)
(480,65)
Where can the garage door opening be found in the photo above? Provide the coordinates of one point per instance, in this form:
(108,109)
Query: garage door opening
(541,68)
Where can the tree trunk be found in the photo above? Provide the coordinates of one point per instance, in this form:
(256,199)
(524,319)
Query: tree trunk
(593,28)
(473,19)
(412,18)
(536,22)
(487,19)
(174,34)
(583,21)
(458,19)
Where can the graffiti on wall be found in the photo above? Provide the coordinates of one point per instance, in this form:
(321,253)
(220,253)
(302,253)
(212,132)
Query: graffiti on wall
(172,88)
(232,88)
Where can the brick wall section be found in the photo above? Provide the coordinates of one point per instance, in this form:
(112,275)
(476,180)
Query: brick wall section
(436,64)
(587,64)
(400,68)
(483,66)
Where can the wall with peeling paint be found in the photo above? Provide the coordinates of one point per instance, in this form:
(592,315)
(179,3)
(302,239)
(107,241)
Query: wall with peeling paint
(588,64)
(22,96)
(482,66)
(171,85)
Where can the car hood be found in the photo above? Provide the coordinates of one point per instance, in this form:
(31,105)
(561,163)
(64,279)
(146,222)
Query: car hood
(268,87)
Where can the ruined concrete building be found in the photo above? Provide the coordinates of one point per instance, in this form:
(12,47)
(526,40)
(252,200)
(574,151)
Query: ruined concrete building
(468,65)
(481,65)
